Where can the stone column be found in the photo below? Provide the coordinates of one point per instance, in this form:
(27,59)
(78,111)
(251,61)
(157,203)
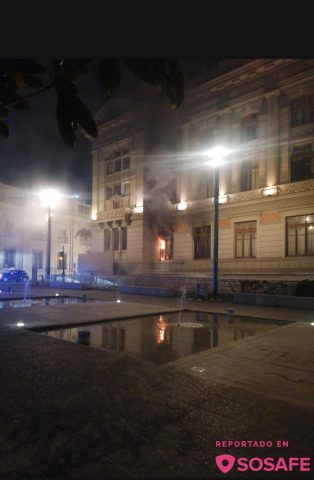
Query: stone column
(235,140)
(262,154)
(225,141)
(184,182)
(284,118)
(95,183)
(273,139)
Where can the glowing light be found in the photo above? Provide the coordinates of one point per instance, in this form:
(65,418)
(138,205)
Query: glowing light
(223,198)
(139,209)
(57,294)
(161,329)
(50,197)
(312,323)
(20,324)
(307,219)
(270,191)
(198,369)
(94,216)
(118,301)
(217,155)
(182,206)
(72,195)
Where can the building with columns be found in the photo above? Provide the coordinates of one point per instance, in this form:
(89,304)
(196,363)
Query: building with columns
(153,187)
(23,232)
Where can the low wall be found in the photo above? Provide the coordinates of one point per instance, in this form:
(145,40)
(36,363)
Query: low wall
(154,291)
(69,285)
(286,301)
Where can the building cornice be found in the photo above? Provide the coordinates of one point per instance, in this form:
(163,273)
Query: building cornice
(237,76)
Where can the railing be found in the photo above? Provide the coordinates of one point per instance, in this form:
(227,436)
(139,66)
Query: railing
(296,187)
(251,195)
(124,203)
(90,280)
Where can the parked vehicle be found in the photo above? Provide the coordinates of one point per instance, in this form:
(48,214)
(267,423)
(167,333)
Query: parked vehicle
(14,275)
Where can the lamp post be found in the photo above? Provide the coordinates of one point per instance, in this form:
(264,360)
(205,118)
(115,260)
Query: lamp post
(63,272)
(48,245)
(217,158)
(49,198)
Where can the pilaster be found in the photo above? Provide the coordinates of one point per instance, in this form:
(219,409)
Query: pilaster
(272,128)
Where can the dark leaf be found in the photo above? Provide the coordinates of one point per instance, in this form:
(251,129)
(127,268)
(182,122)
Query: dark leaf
(4,131)
(83,117)
(176,81)
(19,80)
(170,81)
(74,69)
(8,96)
(4,112)
(63,85)
(32,81)
(22,65)
(71,112)
(109,76)
(57,64)
(165,75)
(21,105)
(64,121)
(143,69)
(32,67)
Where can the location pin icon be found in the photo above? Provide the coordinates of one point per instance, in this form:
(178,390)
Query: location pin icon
(225,462)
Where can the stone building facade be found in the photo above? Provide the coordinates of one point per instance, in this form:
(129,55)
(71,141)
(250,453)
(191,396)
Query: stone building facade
(153,188)
(24,227)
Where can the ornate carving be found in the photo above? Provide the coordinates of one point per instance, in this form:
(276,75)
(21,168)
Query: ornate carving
(296,187)
(115,213)
(302,131)
(245,196)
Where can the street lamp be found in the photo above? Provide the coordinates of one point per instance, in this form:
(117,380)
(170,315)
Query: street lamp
(217,158)
(61,257)
(49,198)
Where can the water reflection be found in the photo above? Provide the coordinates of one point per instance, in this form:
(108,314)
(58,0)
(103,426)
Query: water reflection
(43,301)
(161,329)
(160,339)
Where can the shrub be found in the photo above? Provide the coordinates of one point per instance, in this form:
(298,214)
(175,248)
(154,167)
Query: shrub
(305,288)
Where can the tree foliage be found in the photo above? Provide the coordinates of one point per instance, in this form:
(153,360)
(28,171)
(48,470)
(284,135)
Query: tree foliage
(164,75)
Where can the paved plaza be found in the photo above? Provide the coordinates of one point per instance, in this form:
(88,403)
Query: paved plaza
(70,411)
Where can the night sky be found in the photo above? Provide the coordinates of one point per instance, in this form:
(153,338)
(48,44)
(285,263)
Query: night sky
(34,153)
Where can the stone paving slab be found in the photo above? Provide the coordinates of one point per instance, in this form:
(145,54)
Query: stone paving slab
(279,363)
(61,315)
